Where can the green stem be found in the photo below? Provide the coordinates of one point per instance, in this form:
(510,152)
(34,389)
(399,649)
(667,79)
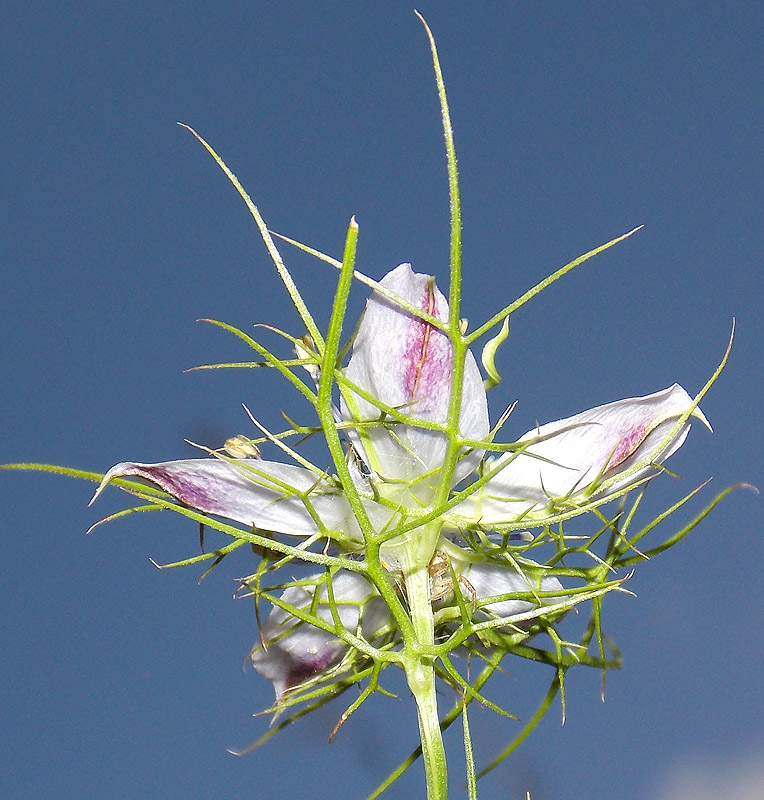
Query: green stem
(325,414)
(455,284)
(420,674)
(265,234)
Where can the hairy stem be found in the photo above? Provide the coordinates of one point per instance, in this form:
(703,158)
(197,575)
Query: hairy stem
(420,674)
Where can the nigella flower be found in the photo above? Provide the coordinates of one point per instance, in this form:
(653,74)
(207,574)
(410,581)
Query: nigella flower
(395,394)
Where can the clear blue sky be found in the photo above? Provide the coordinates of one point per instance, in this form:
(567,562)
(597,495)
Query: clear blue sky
(574,123)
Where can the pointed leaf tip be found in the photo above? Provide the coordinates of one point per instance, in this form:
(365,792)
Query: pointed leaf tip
(488,355)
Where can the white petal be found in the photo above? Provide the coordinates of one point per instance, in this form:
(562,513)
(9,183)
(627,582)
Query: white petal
(490,579)
(579,453)
(295,651)
(406,363)
(248,491)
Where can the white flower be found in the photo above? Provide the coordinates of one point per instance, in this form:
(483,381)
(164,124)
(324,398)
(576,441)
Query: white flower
(402,365)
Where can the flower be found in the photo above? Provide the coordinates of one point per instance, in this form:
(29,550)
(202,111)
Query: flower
(394,403)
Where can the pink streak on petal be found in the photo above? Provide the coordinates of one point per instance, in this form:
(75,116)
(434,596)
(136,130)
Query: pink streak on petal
(427,355)
(628,445)
(187,492)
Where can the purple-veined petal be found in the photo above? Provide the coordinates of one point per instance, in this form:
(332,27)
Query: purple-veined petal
(579,453)
(248,491)
(406,363)
(295,652)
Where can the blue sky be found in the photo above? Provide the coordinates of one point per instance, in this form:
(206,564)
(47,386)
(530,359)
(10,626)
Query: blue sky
(574,123)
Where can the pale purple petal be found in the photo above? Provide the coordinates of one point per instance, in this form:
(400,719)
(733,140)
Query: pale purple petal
(579,453)
(489,579)
(248,491)
(406,363)
(295,651)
